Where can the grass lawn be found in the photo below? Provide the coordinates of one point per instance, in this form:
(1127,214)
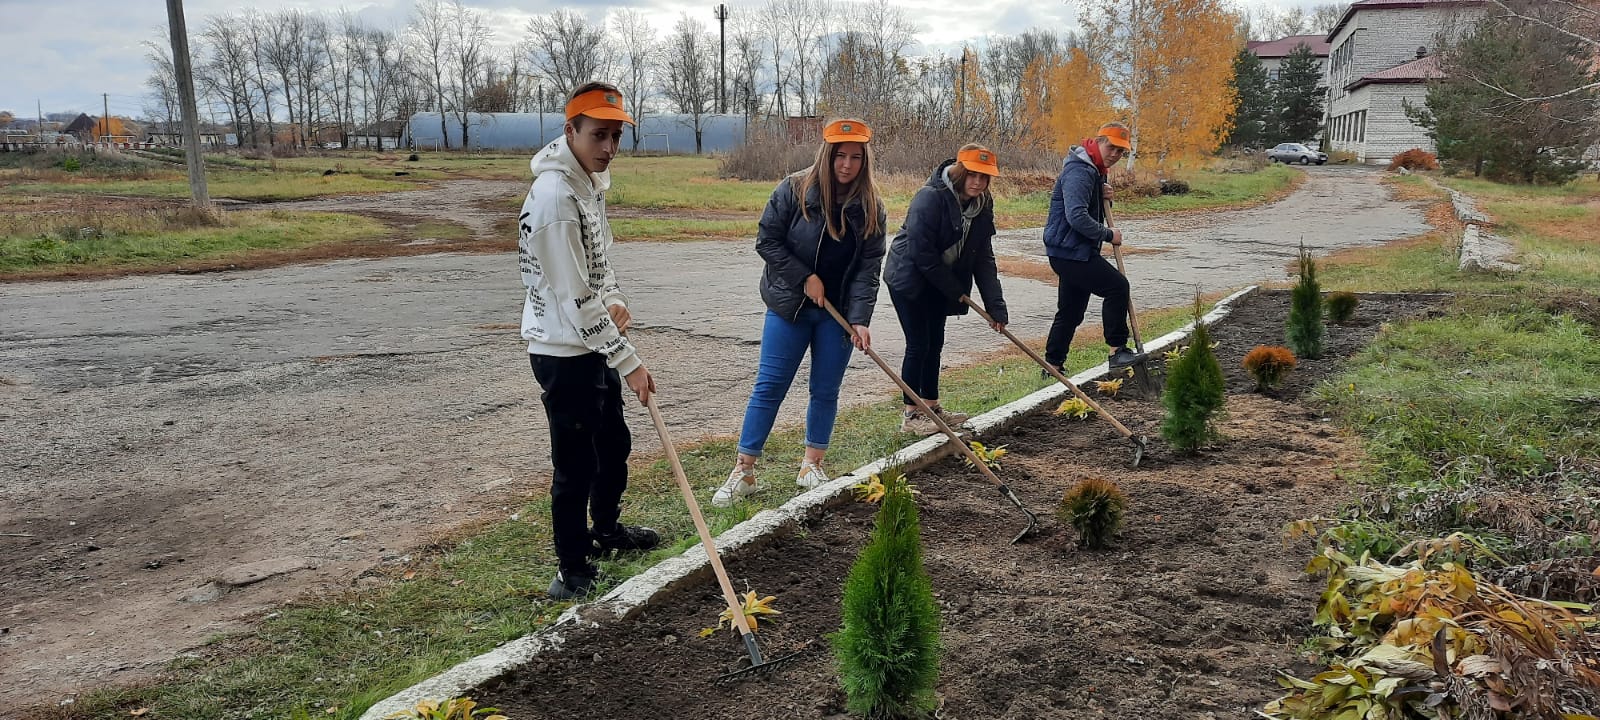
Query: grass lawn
(335,657)
(39,244)
(220,183)
(1483,419)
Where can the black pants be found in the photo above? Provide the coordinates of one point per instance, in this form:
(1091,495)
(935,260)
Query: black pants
(589,446)
(923,322)
(1077,281)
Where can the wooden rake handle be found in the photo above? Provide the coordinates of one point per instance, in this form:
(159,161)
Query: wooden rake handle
(1050,369)
(1133,317)
(706,541)
(944,427)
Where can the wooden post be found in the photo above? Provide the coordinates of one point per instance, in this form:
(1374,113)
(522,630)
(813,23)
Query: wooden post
(191,116)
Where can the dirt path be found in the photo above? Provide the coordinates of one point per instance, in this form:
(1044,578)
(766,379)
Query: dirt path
(161,435)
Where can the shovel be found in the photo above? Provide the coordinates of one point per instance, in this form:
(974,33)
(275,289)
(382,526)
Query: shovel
(758,663)
(1141,369)
(1137,440)
(1005,490)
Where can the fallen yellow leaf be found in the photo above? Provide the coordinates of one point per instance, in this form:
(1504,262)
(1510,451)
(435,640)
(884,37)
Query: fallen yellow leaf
(138,712)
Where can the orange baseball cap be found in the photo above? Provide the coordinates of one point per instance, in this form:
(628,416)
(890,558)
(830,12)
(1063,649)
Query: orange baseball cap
(979,161)
(1117,135)
(840,131)
(600,104)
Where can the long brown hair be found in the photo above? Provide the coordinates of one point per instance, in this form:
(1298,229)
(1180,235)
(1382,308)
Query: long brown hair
(820,175)
(958,174)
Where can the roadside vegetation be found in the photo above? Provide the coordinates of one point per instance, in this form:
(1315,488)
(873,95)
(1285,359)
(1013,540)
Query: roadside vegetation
(1475,524)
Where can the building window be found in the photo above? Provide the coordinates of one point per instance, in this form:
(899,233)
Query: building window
(1361,126)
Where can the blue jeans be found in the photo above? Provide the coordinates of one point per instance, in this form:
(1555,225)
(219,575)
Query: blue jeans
(783,346)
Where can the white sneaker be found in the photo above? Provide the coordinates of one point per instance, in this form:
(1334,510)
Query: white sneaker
(811,475)
(742,482)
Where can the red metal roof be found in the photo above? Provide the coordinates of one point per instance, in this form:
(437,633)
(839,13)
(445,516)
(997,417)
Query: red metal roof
(1416,71)
(1283,46)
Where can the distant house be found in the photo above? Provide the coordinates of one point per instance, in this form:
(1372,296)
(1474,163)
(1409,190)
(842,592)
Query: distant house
(1272,52)
(92,129)
(171,135)
(1379,62)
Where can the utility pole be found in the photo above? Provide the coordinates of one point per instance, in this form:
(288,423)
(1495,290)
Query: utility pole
(722,59)
(105,115)
(191,116)
(39,108)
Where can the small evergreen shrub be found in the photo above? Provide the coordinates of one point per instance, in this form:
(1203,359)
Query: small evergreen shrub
(1195,392)
(1094,507)
(1341,306)
(1305,310)
(888,647)
(1268,364)
(71,164)
(1414,159)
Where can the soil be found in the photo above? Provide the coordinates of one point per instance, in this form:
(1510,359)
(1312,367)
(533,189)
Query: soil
(1190,615)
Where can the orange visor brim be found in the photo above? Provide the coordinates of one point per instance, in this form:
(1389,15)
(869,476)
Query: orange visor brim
(599,104)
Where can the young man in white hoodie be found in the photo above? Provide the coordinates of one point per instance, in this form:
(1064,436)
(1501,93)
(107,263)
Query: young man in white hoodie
(573,318)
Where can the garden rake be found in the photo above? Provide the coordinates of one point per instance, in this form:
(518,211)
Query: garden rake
(1141,374)
(1005,490)
(1137,440)
(758,663)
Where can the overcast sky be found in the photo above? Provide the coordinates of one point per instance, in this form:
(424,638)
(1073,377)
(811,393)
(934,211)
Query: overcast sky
(65,53)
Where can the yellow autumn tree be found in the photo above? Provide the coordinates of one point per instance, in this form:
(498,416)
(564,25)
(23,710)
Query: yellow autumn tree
(1169,63)
(1033,118)
(1077,100)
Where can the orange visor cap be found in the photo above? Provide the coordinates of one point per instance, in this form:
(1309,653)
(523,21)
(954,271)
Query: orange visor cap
(840,131)
(979,161)
(600,104)
(1117,135)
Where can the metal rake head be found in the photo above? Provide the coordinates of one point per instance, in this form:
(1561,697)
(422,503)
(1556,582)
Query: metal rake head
(1139,443)
(763,668)
(1033,520)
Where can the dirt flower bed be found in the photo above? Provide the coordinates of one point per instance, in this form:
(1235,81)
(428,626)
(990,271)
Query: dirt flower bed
(1189,615)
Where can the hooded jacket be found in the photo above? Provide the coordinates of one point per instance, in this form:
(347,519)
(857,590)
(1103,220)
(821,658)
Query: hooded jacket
(561,249)
(925,263)
(1075,227)
(790,244)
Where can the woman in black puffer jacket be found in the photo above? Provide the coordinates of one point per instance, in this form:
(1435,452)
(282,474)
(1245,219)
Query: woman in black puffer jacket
(822,239)
(946,245)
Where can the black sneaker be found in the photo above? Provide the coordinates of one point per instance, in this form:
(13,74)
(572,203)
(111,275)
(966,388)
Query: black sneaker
(1045,374)
(572,583)
(626,538)
(1124,357)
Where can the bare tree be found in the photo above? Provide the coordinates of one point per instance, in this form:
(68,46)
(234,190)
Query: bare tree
(255,25)
(467,52)
(637,40)
(689,77)
(568,50)
(162,82)
(1325,16)
(281,35)
(772,24)
(429,34)
(1574,20)
(225,72)
(748,59)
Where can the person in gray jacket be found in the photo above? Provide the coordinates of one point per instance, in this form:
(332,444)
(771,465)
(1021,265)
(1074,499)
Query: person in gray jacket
(822,239)
(946,244)
(1075,232)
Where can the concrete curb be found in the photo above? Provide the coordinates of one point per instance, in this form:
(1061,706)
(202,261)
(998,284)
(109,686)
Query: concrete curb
(1479,249)
(1482,251)
(633,595)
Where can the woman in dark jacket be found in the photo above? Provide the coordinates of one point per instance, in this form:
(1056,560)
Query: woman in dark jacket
(822,238)
(946,244)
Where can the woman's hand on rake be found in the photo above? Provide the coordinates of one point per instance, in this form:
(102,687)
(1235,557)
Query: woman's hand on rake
(862,337)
